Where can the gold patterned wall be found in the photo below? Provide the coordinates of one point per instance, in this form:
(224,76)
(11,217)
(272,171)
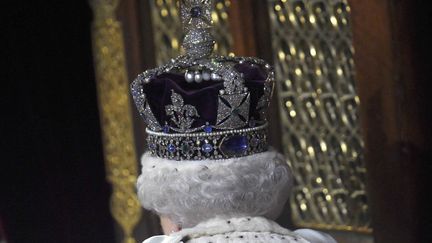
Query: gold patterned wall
(319,109)
(167,28)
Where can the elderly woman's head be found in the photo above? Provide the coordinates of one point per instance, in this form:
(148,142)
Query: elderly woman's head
(189,192)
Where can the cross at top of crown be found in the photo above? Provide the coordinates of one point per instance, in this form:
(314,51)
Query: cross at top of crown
(196,14)
(197,20)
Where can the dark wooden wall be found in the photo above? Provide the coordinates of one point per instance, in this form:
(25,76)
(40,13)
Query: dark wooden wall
(393,72)
(52,174)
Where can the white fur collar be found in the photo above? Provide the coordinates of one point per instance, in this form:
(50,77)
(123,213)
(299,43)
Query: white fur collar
(245,224)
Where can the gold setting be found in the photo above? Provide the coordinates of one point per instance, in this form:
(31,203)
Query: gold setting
(319,111)
(115,115)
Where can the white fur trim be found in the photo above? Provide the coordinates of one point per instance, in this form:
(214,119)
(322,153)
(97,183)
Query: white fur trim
(190,192)
(241,230)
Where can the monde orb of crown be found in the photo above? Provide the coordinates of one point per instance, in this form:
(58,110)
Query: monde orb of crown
(201,106)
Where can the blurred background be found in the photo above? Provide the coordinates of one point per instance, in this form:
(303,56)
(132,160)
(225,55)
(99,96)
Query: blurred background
(350,112)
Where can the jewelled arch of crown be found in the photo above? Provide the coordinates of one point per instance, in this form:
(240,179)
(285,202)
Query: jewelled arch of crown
(234,134)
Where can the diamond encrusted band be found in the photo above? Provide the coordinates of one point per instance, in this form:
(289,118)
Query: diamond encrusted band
(214,145)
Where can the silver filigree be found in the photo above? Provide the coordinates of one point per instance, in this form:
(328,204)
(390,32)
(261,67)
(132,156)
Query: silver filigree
(143,105)
(233,111)
(182,115)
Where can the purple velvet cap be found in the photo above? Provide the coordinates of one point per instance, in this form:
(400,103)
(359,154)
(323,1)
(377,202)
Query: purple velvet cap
(203,96)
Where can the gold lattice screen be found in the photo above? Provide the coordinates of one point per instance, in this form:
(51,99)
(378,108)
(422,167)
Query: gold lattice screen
(319,110)
(168,29)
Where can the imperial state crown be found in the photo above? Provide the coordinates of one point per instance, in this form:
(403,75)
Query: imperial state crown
(202,106)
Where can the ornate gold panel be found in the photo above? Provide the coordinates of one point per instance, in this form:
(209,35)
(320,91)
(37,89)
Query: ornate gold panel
(168,29)
(319,110)
(115,115)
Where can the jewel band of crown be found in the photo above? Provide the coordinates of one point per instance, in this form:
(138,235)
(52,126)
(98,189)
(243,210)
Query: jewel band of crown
(213,145)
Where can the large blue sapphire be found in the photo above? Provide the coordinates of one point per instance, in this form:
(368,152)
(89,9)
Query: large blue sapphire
(234,146)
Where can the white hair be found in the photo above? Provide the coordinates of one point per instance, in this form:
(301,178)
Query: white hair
(190,192)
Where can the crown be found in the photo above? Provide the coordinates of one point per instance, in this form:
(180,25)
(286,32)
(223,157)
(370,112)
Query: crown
(201,106)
